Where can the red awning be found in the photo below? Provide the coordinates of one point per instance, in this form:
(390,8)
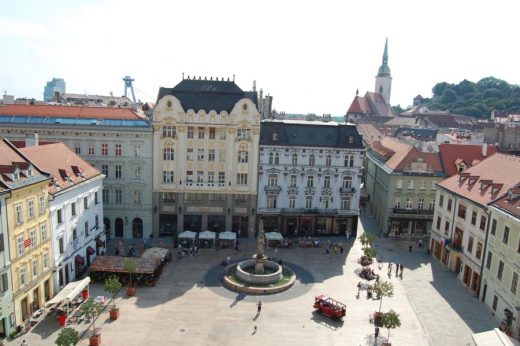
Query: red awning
(100,243)
(90,250)
(79,260)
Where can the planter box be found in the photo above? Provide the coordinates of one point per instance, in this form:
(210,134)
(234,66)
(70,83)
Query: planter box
(95,340)
(377,318)
(114,314)
(130,291)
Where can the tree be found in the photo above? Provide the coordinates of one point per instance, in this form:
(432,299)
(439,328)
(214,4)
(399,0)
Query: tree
(366,239)
(397,109)
(448,96)
(67,337)
(370,252)
(390,320)
(112,285)
(91,309)
(464,87)
(383,289)
(130,267)
(439,88)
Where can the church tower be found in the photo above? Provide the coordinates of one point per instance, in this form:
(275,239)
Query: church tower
(383,78)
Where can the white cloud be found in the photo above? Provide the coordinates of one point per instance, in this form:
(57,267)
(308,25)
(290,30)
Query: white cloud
(19,28)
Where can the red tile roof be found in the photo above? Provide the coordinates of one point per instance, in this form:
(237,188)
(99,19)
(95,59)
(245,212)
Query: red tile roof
(70,112)
(10,160)
(378,104)
(359,105)
(66,167)
(501,169)
(454,154)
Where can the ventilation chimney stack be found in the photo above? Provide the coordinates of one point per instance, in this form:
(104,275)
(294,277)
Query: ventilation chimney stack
(31,140)
(484,149)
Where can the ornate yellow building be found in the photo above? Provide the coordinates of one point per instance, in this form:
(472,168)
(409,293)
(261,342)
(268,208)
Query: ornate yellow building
(29,231)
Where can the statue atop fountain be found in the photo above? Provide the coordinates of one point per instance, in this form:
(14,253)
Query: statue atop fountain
(260,256)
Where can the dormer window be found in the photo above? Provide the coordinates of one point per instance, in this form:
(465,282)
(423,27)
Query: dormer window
(275,136)
(463,177)
(16,175)
(29,172)
(495,188)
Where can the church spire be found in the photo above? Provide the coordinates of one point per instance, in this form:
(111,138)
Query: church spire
(384,70)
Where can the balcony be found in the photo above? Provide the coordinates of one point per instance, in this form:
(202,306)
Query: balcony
(413,211)
(347,190)
(276,188)
(457,247)
(309,211)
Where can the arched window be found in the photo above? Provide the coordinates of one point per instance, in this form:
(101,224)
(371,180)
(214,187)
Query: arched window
(311,160)
(137,228)
(276,158)
(294,159)
(168,154)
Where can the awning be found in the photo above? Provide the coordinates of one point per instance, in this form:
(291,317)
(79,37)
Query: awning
(90,250)
(100,243)
(79,260)
(227,235)
(188,235)
(274,236)
(207,235)
(69,292)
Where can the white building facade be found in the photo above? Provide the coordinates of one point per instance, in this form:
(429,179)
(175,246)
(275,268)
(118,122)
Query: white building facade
(7,320)
(309,177)
(205,144)
(117,141)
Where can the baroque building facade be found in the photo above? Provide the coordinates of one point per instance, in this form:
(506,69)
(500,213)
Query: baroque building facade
(117,141)
(205,142)
(309,177)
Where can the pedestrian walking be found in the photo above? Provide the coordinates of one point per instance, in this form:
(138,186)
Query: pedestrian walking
(397,269)
(377,332)
(410,248)
(389,267)
(401,267)
(259,307)
(341,249)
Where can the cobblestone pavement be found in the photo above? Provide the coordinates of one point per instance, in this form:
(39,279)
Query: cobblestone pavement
(189,307)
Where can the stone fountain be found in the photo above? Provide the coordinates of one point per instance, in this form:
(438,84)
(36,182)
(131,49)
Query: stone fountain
(259,275)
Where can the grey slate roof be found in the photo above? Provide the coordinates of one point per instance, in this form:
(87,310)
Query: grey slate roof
(421,134)
(309,134)
(207,95)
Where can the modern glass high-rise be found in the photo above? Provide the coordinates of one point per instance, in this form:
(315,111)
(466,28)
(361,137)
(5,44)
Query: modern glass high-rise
(56,84)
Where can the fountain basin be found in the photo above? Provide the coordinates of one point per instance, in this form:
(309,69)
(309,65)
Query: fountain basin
(234,283)
(245,272)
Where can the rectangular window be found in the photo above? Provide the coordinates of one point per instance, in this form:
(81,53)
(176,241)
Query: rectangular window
(308,202)
(137,150)
(211,154)
(450,201)
(19,213)
(168,197)
(137,197)
(20,246)
(86,229)
(167,177)
(446,228)
(292,201)
(61,245)
(4,283)
(474,218)
(488,260)
(85,202)
(420,205)
(200,154)
(514,283)
(271,201)
(483,220)
(104,149)
(470,245)
(137,172)
(345,203)
(493,226)
(35,268)
(462,211)
(408,203)
(119,171)
(43,232)
(91,149)
(211,178)
(168,154)
(105,196)
(211,133)
(32,235)
(272,180)
(73,209)
(77,148)
(500,271)
(119,149)
(189,154)
(221,178)
(495,303)
(243,133)
(104,170)
(222,133)
(190,132)
(242,156)
(293,180)
(119,196)
(30,208)
(59,216)
(46,260)
(326,182)
(423,185)
(200,178)
(189,178)
(42,204)
(397,203)
(241,178)
(432,203)
(169,131)
(310,181)
(96,221)
(441,201)
(505,238)
(201,133)
(410,184)
(479,250)
(22,273)
(399,184)
(438,223)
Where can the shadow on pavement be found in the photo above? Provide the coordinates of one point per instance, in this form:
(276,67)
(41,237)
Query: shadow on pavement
(332,324)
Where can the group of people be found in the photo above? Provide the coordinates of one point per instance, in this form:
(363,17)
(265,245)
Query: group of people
(184,251)
(333,247)
(398,268)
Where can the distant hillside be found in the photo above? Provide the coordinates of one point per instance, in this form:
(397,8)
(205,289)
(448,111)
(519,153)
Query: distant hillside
(476,99)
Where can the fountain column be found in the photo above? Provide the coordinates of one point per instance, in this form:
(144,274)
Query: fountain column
(260,256)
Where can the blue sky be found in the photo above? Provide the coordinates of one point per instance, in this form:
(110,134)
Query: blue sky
(311,56)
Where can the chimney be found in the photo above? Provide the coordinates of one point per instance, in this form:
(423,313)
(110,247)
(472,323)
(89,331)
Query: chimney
(31,140)
(484,149)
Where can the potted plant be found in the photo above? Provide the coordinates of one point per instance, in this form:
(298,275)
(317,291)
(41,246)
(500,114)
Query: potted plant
(130,267)
(112,285)
(390,320)
(370,252)
(91,309)
(382,289)
(67,337)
